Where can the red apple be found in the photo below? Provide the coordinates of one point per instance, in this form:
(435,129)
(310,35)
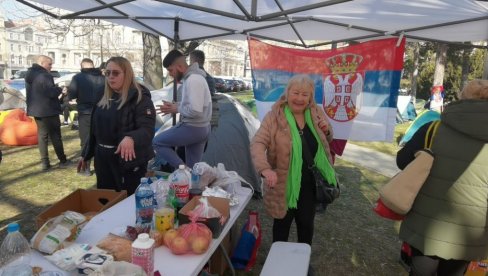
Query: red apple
(169,236)
(179,246)
(200,244)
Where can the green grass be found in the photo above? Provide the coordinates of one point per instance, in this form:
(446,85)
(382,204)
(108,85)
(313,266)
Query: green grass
(387,147)
(349,238)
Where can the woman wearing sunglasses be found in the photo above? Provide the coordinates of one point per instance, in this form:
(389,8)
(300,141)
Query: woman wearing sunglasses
(122,129)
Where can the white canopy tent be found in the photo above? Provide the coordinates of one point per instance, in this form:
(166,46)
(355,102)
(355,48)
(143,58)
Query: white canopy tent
(291,21)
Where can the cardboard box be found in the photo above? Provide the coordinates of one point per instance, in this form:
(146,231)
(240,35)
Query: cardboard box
(82,201)
(214,224)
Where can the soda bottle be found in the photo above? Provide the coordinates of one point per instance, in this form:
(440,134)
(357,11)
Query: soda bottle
(15,252)
(144,196)
(143,253)
(180,183)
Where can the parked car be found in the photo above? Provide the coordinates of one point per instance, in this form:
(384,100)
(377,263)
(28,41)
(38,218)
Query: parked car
(220,85)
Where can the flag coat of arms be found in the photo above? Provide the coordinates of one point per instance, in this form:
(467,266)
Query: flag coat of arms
(357,86)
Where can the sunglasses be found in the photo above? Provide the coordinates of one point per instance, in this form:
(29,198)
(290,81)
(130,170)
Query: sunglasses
(114,73)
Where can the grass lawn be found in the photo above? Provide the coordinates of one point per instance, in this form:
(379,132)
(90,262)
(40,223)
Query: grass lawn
(350,239)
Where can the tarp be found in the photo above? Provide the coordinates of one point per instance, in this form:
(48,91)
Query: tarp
(290,20)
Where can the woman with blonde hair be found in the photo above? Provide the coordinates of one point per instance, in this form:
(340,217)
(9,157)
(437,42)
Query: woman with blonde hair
(447,226)
(122,129)
(277,154)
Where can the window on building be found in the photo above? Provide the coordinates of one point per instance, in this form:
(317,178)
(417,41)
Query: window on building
(20,60)
(12,59)
(11,35)
(31,49)
(28,34)
(19,47)
(51,55)
(12,47)
(1,58)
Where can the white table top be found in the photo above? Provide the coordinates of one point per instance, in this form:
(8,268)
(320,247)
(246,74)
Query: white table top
(123,214)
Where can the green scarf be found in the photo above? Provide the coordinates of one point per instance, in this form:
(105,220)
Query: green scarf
(293,180)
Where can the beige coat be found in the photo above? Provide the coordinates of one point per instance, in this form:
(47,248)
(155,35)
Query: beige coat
(271,148)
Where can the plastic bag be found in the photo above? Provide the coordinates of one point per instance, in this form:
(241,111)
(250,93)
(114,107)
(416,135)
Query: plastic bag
(246,250)
(56,231)
(119,269)
(66,258)
(193,237)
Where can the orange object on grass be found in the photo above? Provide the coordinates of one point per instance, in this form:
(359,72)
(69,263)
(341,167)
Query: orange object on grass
(18,129)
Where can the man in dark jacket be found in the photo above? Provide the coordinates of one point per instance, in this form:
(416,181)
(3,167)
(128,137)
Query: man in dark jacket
(87,88)
(43,104)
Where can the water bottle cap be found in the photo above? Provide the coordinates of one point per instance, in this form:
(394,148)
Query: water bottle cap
(181,166)
(144,180)
(13,227)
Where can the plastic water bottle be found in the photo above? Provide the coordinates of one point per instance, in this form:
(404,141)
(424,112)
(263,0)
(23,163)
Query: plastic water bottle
(180,183)
(144,196)
(15,253)
(143,253)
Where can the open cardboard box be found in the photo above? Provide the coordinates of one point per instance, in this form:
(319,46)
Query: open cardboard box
(82,201)
(221,204)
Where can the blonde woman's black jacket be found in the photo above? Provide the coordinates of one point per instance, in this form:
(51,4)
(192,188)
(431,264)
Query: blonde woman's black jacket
(136,120)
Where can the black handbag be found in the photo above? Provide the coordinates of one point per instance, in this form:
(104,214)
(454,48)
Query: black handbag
(325,192)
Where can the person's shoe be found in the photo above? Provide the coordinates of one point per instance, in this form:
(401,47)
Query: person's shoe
(46,166)
(64,164)
(65,123)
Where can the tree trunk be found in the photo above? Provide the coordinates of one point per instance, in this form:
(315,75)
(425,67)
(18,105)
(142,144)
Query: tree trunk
(440,64)
(415,72)
(465,66)
(485,67)
(153,64)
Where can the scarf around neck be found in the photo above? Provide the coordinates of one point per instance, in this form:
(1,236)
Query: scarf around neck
(293,181)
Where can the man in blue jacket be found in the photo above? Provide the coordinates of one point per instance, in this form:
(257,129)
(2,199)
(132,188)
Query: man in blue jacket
(43,104)
(87,88)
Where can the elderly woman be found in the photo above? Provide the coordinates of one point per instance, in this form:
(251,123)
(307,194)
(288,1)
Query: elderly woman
(121,131)
(447,225)
(278,156)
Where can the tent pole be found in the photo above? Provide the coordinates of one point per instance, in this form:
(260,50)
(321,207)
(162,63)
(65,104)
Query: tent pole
(175,82)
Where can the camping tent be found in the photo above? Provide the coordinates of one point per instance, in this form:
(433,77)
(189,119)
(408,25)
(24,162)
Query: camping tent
(293,21)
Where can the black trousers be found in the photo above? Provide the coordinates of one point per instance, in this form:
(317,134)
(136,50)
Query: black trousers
(110,174)
(84,121)
(49,128)
(432,265)
(304,214)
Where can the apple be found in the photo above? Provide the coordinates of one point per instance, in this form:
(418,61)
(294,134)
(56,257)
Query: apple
(179,246)
(200,245)
(169,236)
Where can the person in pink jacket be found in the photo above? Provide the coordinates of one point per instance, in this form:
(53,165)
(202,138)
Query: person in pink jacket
(276,149)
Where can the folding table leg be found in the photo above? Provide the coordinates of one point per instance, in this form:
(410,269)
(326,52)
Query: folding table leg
(226,256)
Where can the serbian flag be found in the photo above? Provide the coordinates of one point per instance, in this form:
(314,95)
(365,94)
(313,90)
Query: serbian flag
(357,86)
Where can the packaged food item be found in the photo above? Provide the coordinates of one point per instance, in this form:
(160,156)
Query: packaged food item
(164,219)
(56,231)
(143,253)
(91,262)
(118,247)
(66,258)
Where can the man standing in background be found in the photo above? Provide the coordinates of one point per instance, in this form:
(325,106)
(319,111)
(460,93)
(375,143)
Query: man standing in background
(43,104)
(87,88)
(199,57)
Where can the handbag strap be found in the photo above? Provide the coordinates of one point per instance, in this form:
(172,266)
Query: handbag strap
(306,151)
(429,137)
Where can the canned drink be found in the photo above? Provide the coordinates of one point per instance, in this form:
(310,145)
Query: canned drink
(165,219)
